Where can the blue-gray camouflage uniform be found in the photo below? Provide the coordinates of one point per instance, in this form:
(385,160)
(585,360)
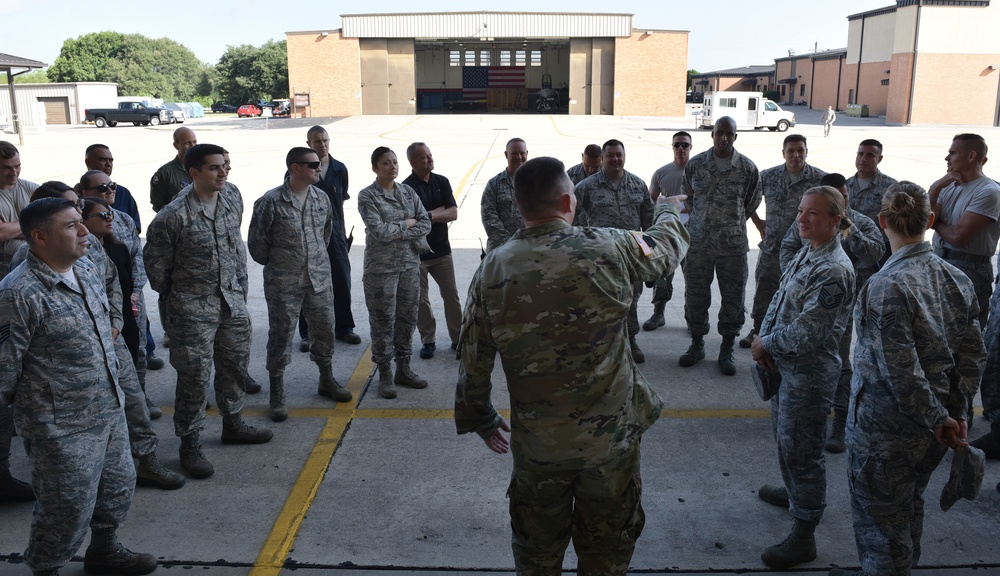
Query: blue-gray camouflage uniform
(917,361)
(291,241)
(627,207)
(124,230)
(990,385)
(719,201)
(576,174)
(782,193)
(553,302)
(863,245)
(58,369)
(197,262)
(501,218)
(802,332)
(868,201)
(392,266)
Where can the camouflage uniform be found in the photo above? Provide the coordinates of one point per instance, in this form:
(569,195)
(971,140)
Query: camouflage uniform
(863,245)
(576,174)
(579,404)
(167,182)
(917,361)
(802,332)
(392,266)
(629,207)
(719,201)
(782,193)
(59,370)
(197,262)
(124,230)
(868,201)
(501,217)
(290,241)
(990,385)
(11,203)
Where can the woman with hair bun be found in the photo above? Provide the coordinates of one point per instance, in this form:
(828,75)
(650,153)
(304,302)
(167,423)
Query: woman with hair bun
(917,362)
(800,339)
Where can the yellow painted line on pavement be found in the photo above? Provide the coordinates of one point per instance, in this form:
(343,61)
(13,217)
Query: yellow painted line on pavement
(385,134)
(280,540)
(465,179)
(555,126)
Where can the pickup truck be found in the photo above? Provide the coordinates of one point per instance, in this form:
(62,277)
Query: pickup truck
(135,112)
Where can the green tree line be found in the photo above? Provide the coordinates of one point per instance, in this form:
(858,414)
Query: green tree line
(163,68)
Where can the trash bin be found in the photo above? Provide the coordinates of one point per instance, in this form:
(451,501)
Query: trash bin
(859,110)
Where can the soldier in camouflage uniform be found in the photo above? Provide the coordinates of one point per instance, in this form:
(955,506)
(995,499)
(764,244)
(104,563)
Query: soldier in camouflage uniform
(800,339)
(396,227)
(863,244)
(171,178)
(615,198)
(723,190)
(782,187)
(917,362)
(579,403)
(196,260)
(500,216)
(590,163)
(59,371)
(866,187)
(289,233)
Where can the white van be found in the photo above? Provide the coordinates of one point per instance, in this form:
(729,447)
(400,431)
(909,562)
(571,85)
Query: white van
(749,109)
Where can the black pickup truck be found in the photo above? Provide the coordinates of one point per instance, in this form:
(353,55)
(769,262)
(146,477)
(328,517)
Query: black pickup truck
(135,112)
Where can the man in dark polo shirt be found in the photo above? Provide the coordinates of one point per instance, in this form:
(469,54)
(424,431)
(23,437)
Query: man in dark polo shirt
(439,201)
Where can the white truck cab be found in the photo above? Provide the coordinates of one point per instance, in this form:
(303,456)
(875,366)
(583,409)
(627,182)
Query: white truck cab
(749,109)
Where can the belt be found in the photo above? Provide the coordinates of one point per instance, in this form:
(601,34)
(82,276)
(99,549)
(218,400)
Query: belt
(962,256)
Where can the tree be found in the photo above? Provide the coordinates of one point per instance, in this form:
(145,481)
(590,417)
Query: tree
(33,77)
(160,67)
(246,73)
(691,72)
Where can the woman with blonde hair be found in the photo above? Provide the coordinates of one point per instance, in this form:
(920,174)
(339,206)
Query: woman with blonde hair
(800,339)
(917,362)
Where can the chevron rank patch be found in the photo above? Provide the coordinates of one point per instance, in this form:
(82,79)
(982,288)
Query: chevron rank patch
(882,321)
(4,332)
(831,295)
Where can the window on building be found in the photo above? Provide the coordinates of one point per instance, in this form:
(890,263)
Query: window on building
(802,90)
(484,57)
(536,57)
(455,58)
(520,58)
(782,89)
(850,96)
(505,57)
(470,58)
(885,82)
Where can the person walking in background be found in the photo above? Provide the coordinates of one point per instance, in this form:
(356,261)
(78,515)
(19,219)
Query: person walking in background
(829,117)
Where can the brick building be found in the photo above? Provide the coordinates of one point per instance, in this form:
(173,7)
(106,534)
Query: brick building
(745,79)
(488,61)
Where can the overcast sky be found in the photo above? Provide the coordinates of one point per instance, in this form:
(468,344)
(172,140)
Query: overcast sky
(724,33)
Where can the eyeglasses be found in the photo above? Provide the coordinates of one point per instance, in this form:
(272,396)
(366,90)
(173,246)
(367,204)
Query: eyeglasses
(103,188)
(81,204)
(682,145)
(107,216)
(311,165)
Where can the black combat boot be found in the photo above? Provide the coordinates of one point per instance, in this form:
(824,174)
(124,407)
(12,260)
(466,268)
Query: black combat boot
(774,495)
(637,354)
(836,443)
(278,411)
(106,555)
(989,443)
(330,388)
(236,431)
(695,352)
(149,472)
(747,341)
(656,320)
(799,547)
(727,363)
(13,489)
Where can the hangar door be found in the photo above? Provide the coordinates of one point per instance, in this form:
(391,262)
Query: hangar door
(387,76)
(56,109)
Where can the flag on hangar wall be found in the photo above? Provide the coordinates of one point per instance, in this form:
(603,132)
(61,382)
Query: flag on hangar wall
(476,79)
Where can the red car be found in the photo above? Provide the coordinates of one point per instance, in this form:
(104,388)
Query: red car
(248,110)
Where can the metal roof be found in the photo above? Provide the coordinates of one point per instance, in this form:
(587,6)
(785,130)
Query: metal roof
(743,71)
(9,61)
(486,24)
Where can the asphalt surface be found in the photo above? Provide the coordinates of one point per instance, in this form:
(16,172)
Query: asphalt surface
(380,487)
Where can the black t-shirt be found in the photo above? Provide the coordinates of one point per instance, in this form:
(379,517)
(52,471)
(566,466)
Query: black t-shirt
(434,193)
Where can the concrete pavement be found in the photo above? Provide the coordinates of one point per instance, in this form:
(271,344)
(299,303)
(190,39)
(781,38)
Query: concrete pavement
(380,486)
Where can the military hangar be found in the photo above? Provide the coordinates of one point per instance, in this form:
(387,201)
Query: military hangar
(497,62)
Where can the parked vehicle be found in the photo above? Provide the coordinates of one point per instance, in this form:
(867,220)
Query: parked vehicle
(749,109)
(248,110)
(281,107)
(223,107)
(178,115)
(135,112)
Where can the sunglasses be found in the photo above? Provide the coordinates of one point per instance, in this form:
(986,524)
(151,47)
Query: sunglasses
(682,145)
(103,188)
(107,216)
(311,165)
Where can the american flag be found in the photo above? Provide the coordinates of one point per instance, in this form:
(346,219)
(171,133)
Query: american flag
(476,79)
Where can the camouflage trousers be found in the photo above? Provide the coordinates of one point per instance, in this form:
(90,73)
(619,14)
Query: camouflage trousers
(142,439)
(798,414)
(699,270)
(442,270)
(197,341)
(599,508)
(6,436)
(283,307)
(842,395)
(990,385)
(767,276)
(392,301)
(84,478)
(887,505)
(981,274)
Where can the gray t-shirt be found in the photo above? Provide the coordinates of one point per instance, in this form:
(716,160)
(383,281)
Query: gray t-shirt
(667,180)
(981,196)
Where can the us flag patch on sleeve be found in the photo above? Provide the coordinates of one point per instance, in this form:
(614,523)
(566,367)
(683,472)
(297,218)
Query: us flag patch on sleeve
(646,250)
